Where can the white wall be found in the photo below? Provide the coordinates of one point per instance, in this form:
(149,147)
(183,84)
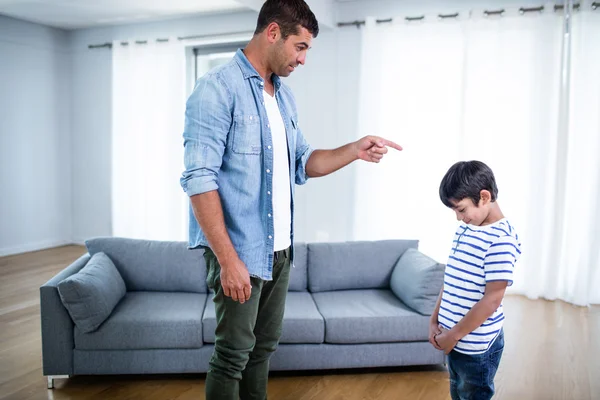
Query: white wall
(91,90)
(35,156)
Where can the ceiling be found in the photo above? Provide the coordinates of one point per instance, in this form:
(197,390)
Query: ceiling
(73,14)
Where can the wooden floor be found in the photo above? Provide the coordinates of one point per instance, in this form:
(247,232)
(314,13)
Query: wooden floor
(552,352)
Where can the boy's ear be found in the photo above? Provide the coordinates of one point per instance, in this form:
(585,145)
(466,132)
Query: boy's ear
(485,197)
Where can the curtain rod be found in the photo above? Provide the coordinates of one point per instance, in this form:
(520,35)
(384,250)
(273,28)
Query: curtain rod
(109,45)
(486,13)
(500,12)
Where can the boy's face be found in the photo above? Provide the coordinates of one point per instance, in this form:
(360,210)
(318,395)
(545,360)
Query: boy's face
(471,213)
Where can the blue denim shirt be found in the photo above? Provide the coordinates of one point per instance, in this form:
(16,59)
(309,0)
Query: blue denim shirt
(228,147)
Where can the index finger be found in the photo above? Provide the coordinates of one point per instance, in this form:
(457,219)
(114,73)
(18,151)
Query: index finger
(226,291)
(391,144)
(379,141)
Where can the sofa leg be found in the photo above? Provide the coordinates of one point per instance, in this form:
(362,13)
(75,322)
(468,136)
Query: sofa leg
(51,379)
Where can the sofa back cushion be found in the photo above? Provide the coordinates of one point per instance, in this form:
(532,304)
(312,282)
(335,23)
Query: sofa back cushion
(299,273)
(91,294)
(417,280)
(148,265)
(354,265)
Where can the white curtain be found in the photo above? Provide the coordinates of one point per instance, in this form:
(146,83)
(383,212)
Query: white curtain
(570,260)
(148,113)
(488,89)
(411,92)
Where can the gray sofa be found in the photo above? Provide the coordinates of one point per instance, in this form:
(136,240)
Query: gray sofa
(343,310)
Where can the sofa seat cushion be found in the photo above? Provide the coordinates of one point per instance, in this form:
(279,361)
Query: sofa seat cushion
(149,320)
(302,322)
(369,316)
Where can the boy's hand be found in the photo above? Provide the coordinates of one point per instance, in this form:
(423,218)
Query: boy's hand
(445,341)
(434,330)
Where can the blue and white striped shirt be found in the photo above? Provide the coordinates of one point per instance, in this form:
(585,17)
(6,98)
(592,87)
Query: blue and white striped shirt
(479,254)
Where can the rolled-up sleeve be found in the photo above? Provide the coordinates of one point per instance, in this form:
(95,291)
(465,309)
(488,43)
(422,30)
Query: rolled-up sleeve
(207,123)
(303,152)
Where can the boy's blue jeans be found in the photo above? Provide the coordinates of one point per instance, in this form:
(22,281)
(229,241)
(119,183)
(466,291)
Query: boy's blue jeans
(472,375)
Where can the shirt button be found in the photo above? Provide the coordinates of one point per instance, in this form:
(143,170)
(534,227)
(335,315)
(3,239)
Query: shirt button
(268,171)
(269,193)
(269,147)
(268,125)
(269,215)
(270,237)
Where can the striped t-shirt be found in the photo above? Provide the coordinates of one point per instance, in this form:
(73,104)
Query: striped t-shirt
(479,254)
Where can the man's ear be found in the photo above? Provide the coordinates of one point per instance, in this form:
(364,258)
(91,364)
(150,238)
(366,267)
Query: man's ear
(485,197)
(273,32)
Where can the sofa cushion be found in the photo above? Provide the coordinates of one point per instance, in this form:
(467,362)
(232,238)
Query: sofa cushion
(302,322)
(91,294)
(417,281)
(369,316)
(298,274)
(353,265)
(149,265)
(149,320)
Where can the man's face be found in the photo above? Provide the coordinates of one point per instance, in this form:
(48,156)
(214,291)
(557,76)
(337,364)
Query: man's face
(290,52)
(469,213)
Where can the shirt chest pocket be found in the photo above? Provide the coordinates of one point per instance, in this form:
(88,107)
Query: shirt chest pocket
(246,137)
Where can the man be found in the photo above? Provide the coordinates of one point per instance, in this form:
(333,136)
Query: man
(243,151)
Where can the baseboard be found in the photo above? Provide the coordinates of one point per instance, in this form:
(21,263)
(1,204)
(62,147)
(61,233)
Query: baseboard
(9,251)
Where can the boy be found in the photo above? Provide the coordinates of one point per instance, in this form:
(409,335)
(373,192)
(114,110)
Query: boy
(468,318)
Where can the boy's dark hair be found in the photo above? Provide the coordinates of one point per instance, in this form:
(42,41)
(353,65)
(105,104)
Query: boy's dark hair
(466,179)
(289,14)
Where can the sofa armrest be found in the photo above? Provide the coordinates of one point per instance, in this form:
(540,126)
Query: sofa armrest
(57,326)
(417,281)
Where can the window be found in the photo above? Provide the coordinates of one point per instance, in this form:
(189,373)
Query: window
(208,57)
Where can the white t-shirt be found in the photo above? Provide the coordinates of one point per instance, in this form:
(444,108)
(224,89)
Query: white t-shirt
(282,196)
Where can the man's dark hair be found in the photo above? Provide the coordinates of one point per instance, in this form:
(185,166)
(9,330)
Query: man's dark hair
(288,14)
(466,179)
